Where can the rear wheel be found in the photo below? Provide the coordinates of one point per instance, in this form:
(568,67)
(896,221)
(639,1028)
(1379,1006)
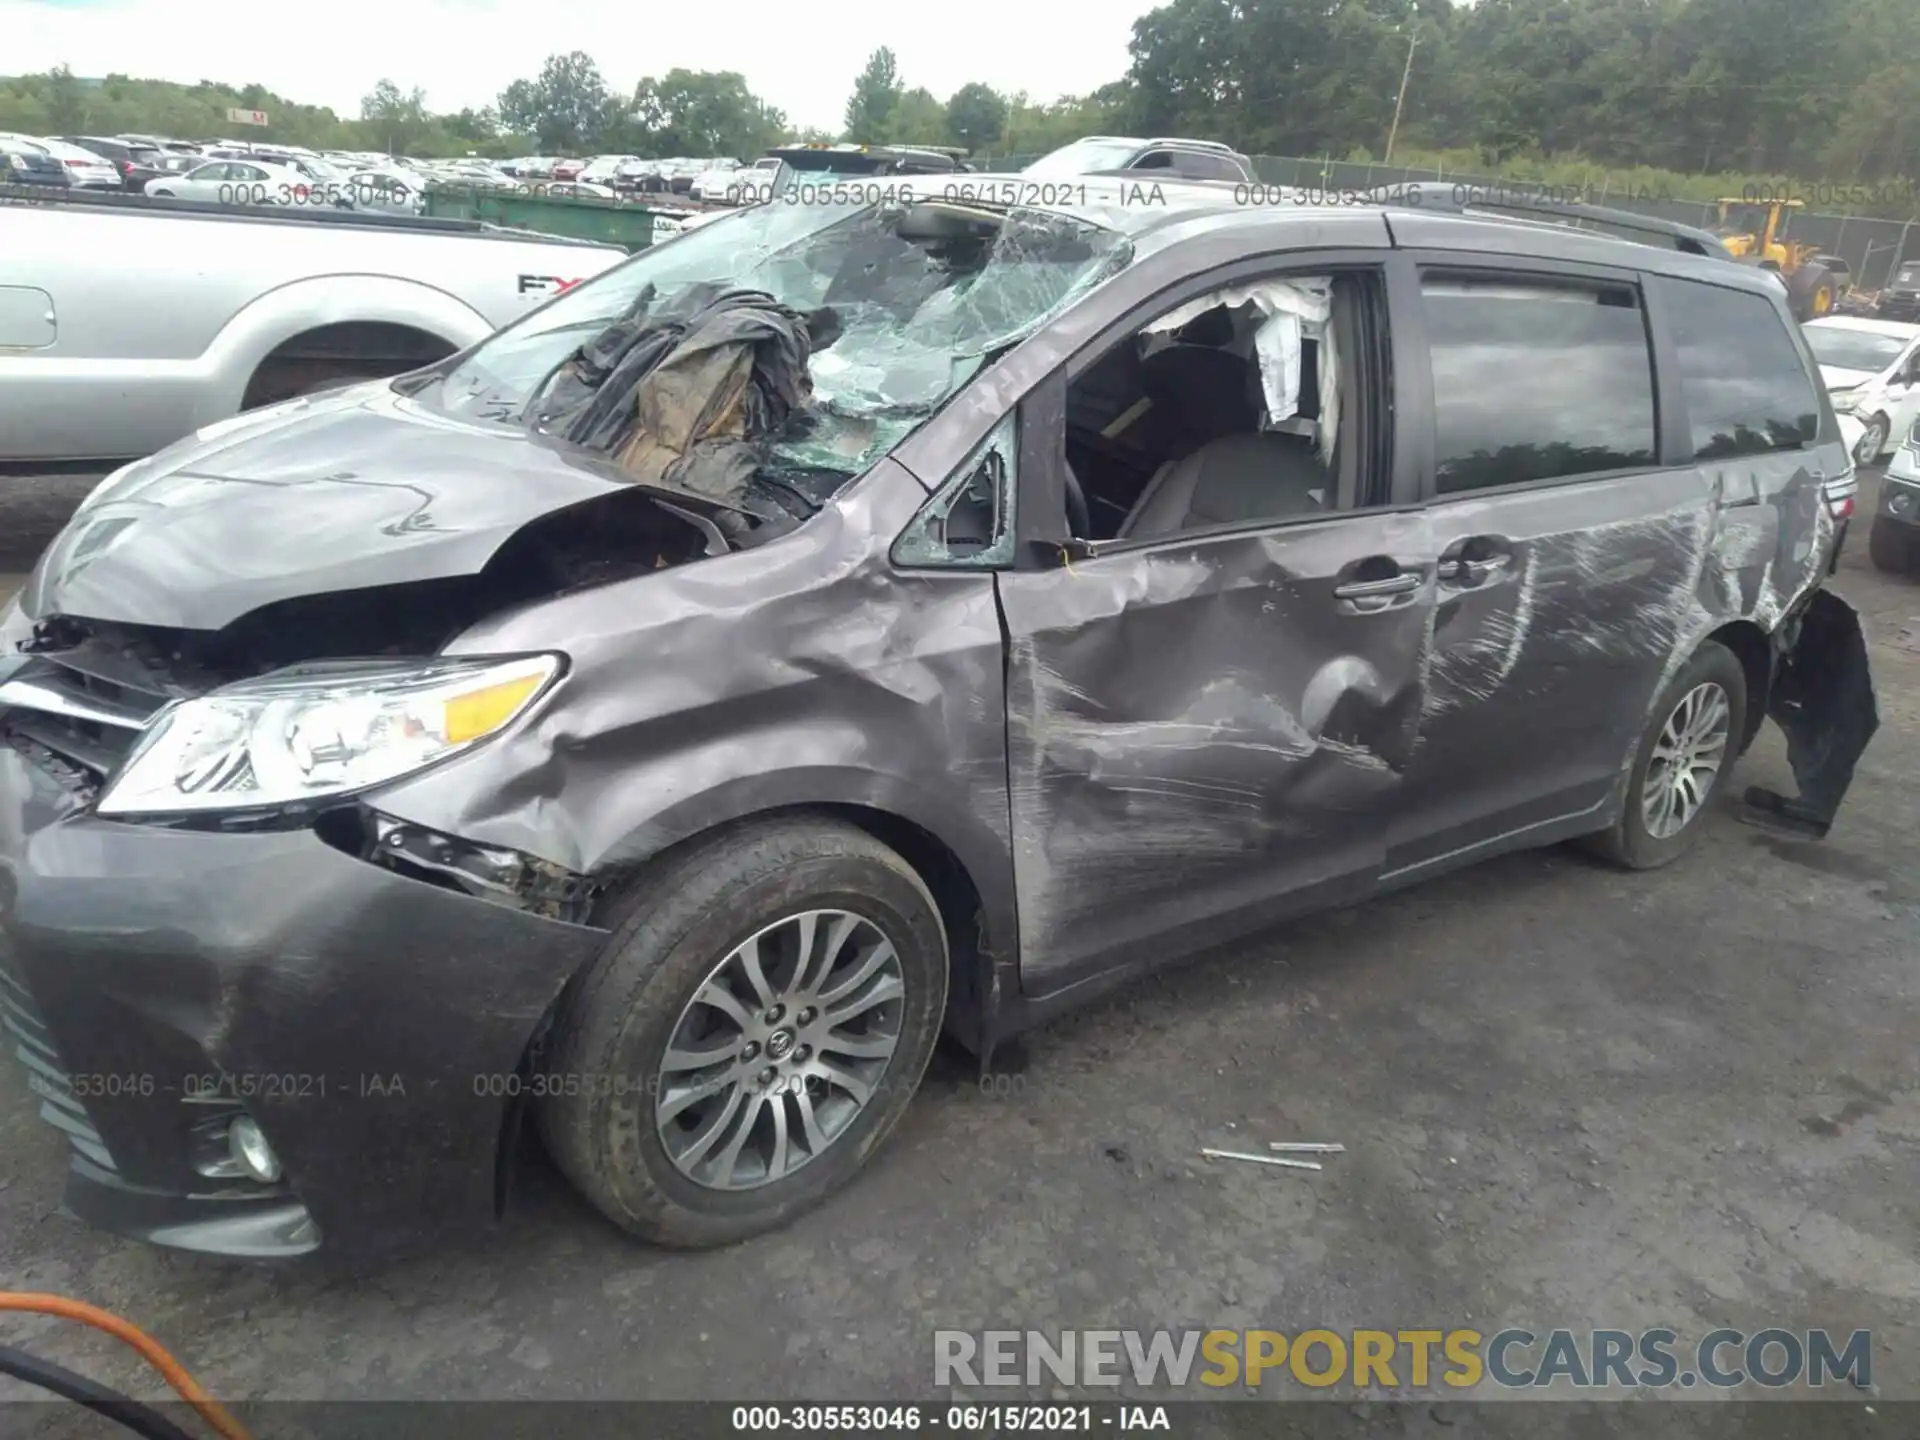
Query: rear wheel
(1889,549)
(1682,764)
(754,1028)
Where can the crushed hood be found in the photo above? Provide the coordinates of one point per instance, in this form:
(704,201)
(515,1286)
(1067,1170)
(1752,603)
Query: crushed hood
(337,492)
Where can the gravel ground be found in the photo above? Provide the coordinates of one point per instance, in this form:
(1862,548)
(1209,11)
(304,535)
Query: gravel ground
(1570,1097)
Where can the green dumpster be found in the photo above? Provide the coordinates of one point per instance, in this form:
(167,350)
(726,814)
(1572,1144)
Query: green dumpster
(616,221)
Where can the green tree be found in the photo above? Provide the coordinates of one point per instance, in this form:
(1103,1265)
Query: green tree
(1035,129)
(397,121)
(976,117)
(567,107)
(875,94)
(918,119)
(66,101)
(473,127)
(702,113)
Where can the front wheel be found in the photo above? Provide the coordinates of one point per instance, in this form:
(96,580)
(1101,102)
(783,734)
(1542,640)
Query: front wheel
(1681,766)
(754,1028)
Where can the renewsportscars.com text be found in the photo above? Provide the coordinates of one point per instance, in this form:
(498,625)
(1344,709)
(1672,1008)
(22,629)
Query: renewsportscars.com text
(1456,1359)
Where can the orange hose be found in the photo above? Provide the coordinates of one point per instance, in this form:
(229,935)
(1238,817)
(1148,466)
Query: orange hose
(151,1350)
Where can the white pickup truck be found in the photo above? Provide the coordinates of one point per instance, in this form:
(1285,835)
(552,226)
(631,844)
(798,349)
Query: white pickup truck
(127,322)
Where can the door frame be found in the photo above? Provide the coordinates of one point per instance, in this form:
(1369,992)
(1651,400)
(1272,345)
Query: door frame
(1042,505)
(1672,449)
(1041,528)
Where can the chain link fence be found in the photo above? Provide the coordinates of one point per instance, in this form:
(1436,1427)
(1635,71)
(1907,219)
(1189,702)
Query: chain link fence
(1872,247)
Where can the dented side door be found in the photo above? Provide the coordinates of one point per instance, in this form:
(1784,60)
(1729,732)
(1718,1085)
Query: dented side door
(1559,601)
(1202,736)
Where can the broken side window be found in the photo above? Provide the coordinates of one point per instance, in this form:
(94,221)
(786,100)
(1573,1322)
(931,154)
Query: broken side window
(969,521)
(1225,409)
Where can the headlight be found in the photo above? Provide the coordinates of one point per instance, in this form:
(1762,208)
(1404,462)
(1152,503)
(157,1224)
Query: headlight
(319,730)
(1844,401)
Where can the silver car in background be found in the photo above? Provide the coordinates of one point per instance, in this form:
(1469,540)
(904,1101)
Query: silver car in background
(85,169)
(246,182)
(579,190)
(386,191)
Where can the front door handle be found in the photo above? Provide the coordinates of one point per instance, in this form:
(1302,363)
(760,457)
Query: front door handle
(1368,596)
(1367,589)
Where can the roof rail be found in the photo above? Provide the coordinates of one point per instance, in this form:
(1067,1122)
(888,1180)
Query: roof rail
(1219,145)
(1518,203)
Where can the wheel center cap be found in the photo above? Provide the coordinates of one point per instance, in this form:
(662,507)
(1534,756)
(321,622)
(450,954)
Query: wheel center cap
(779,1044)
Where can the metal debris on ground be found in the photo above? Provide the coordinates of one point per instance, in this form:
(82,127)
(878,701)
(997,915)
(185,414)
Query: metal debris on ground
(1261,1159)
(1307,1147)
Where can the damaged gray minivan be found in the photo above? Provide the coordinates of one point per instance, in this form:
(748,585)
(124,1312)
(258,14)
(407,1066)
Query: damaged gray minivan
(848,621)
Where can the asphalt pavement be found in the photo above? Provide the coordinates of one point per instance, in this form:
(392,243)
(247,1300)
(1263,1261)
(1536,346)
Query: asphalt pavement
(1569,1096)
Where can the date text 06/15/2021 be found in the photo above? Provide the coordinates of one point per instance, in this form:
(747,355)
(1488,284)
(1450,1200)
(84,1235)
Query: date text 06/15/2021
(958,1419)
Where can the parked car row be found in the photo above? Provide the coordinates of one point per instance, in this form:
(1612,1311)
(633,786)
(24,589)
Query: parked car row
(221,172)
(627,173)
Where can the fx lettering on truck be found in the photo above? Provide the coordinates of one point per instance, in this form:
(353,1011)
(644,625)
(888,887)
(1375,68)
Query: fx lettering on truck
(544,283)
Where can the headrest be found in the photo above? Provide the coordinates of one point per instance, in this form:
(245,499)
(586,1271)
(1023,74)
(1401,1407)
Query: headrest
(1214,392)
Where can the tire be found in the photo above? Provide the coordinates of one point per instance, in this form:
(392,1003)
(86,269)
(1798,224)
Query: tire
(161,194)
(1631,843)
(1812,290)
(335,382)
(1888,549)
(676,930)
(1874,443)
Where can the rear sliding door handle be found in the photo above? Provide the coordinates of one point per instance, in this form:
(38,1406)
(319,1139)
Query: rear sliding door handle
(1461,571)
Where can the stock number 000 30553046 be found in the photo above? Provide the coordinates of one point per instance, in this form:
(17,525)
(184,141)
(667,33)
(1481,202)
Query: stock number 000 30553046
(900,1419)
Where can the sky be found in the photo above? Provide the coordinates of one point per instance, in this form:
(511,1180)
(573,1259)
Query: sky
(800,57)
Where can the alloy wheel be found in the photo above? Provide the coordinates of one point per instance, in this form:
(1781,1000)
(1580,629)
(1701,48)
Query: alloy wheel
(1872,443)
(780,1049)
(1685,760)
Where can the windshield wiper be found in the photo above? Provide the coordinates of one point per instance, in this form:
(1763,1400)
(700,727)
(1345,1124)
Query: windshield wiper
(783,490)
(599,324)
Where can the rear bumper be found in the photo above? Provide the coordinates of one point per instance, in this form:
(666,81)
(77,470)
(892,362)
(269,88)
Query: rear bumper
(1823,700)
(160,982)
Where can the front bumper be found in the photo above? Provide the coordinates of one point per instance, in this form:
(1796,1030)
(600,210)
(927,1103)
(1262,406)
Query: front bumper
(1899,506)
(1899,305)
(158,982)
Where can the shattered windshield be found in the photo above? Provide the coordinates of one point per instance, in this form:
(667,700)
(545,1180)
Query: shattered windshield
(921,297)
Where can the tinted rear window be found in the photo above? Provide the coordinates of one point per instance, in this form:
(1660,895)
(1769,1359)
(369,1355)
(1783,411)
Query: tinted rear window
(1198,165)
(1536,382)
(1741,375)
